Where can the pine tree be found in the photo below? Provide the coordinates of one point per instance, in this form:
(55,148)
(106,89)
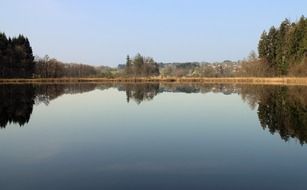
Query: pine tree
(128,68)
(284,47)
(272,47)
(16,57)
(3,51)
(281,57)
(263,46)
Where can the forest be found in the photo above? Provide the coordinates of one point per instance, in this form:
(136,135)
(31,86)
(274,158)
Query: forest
(16,57)
(282,51)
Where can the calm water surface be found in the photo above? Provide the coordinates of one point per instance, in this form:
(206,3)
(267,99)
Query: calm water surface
(153,136)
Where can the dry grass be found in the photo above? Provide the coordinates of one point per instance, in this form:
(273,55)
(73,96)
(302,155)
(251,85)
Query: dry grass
(232,80)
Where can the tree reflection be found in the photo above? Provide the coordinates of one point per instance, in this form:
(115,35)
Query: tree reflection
(17,101)
(16,104)
(48,92)
(284,110)
(140,92)
(280,109)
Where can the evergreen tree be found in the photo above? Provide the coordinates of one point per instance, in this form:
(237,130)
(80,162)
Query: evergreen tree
(299,35)
(272,47)
(281,57)
(263,45)
(3,52)
(284,47)
(16,57)
(128,66)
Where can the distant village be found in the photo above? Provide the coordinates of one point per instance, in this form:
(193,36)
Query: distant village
(201,69)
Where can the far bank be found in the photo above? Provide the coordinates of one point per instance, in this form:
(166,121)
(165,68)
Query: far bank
(232,80)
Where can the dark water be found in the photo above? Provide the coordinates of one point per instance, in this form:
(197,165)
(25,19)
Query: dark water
(153,136)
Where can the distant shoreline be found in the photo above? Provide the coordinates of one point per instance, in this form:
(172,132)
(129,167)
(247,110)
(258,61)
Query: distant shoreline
(230,80)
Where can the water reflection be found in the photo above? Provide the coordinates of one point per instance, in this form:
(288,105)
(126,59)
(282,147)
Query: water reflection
(17,101)
(280,109)
(140,92)
(46,93)
(16,104)
(284,110)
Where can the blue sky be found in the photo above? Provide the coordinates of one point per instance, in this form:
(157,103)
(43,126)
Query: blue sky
(103,32)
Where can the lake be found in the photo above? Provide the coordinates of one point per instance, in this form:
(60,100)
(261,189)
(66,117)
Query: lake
(153,136)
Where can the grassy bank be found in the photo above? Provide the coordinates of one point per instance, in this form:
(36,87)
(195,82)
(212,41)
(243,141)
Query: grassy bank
(234,80)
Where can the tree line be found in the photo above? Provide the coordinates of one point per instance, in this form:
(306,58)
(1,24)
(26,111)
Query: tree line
(141,66)
(52,68)
(17,61)
(16,57)
(284,49)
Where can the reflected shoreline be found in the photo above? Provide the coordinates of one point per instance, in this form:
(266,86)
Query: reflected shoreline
(280,109)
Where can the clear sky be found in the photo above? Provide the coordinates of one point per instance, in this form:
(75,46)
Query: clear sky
(103,32)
